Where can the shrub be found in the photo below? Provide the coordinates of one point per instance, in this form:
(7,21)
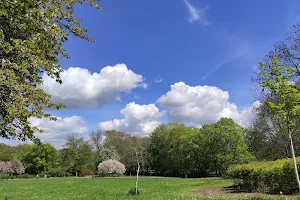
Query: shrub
(111,167)
(57,172)
(25,176)
(4,176)
(54,172)
(87,172)
(20,176)
(133,191)
(271,176)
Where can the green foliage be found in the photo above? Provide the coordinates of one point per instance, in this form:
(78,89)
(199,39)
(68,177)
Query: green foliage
(40,158)
(20,176)
(108,153)
(133,191)
(57,172)
(127,148)
(54,172)
(177,150)
(277,83)
(4,176)
(76,155)
(8,152)
(32,34)
(271,176)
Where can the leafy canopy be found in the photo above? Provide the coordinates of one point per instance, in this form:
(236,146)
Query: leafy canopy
(32,33)
(277,82)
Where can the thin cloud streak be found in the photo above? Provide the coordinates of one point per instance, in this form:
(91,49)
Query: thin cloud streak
(196,15)
(237,49)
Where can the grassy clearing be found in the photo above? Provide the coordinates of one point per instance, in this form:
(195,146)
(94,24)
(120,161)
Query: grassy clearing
(108,188)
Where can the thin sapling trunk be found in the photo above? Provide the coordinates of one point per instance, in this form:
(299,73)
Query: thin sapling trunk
(137,174)
(294,161)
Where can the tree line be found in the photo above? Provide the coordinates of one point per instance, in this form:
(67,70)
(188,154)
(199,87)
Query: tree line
(171,150)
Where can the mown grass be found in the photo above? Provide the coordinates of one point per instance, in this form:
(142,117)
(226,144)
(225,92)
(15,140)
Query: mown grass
(106,188)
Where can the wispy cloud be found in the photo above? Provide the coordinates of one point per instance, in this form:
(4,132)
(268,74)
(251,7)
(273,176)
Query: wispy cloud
(158,79)
(196,14)
(237,49)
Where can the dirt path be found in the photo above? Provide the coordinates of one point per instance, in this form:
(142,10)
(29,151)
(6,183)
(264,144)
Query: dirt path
(228,192)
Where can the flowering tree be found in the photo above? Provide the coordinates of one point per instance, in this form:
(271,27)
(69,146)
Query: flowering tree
(5,167)
(12,167)
(16,167)
(111,167)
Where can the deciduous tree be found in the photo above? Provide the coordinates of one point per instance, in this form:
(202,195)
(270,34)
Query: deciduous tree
(32,34)
(277,83)
(40,158)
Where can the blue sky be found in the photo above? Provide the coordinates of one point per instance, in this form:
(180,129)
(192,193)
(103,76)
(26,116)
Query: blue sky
(198,42)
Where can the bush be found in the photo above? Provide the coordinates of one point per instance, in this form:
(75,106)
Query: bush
(54,172)
(57,172)
(4,176)
(111,167)
(271,177)
(20,176)
(133,191)
(25,176)
(87,172)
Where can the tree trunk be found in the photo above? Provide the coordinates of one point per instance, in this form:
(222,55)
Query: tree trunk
(294,160)
(137,178)
(76,173)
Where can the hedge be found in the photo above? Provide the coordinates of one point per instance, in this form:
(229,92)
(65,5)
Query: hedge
(19,176)
(269,176)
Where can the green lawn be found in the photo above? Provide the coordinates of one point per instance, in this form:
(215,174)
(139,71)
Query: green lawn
(106,188)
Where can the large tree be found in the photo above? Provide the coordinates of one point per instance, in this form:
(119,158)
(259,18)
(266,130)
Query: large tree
(277,82)
(97,139)
(77,155)
(264,139)
(32,34)
(127,147)
(8,152)
(179,150)
(40,158)
(225,144)
(267,138)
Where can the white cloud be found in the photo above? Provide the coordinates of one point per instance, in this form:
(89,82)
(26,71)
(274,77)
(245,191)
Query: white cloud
(82,89)
(201,105)
(138,119)
(56,132)
(196,14)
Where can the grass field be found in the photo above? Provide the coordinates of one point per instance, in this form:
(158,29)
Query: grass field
(110,188)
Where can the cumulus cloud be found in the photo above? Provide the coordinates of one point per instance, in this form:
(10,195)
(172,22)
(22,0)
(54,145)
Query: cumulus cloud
(56,132)
(83,89)
(138,119)
(196,14)
(201,105)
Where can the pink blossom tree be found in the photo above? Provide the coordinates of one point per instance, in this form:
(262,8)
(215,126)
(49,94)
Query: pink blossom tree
(16,167)
(12,167)
(111,167)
